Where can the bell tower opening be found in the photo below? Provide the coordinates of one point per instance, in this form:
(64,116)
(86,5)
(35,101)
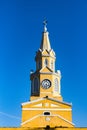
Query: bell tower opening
(46,62)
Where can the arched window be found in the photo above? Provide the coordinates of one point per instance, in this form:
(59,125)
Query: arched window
(38,64)
(56,85)
(46,113)
(32,88)
(46,62)
(36,85)
(52,65)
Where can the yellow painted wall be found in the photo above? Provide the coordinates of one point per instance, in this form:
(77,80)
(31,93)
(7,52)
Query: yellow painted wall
(42,128)
(33,115)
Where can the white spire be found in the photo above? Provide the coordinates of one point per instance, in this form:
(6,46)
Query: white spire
(45,43)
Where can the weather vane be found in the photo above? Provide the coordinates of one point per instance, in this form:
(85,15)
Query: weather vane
(45,23)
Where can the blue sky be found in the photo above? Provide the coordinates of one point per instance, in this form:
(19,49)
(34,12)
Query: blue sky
(20,36)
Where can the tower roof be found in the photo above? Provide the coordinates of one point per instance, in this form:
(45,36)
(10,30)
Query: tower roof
(45,43)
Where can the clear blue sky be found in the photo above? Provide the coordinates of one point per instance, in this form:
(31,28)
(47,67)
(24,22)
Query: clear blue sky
(20,36)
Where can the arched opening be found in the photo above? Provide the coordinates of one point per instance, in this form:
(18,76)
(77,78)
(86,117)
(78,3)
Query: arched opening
(52,65)
(46,113)
(56,85)
(38,65)
(46,62)
(35,87)
(47,127)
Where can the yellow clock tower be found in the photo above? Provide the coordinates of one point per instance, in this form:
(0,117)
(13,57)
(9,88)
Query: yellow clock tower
(46,106)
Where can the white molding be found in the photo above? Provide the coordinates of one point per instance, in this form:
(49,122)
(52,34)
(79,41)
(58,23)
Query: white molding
(62,102)
(30,119)
(25,103)
(44,98)
(64,119)
(53,109)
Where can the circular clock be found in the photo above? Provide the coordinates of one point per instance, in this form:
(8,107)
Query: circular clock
(46,83)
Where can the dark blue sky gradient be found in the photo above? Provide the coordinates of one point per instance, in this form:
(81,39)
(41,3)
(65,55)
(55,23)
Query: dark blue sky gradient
(20,36)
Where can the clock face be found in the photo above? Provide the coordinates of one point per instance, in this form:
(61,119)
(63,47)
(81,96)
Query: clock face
(46,83)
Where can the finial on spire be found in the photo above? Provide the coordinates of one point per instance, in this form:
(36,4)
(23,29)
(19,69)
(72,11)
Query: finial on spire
(45,23)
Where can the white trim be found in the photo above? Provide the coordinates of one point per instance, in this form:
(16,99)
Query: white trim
(49,116)
(40,99)
(30,119)
(64,119)
(44,98)
(54,109)
(62,102)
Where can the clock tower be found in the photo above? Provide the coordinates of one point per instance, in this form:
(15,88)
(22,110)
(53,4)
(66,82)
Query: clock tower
(45,81)
(46,106)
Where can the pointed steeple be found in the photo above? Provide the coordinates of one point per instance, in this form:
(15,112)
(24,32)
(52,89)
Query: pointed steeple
(45,43)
